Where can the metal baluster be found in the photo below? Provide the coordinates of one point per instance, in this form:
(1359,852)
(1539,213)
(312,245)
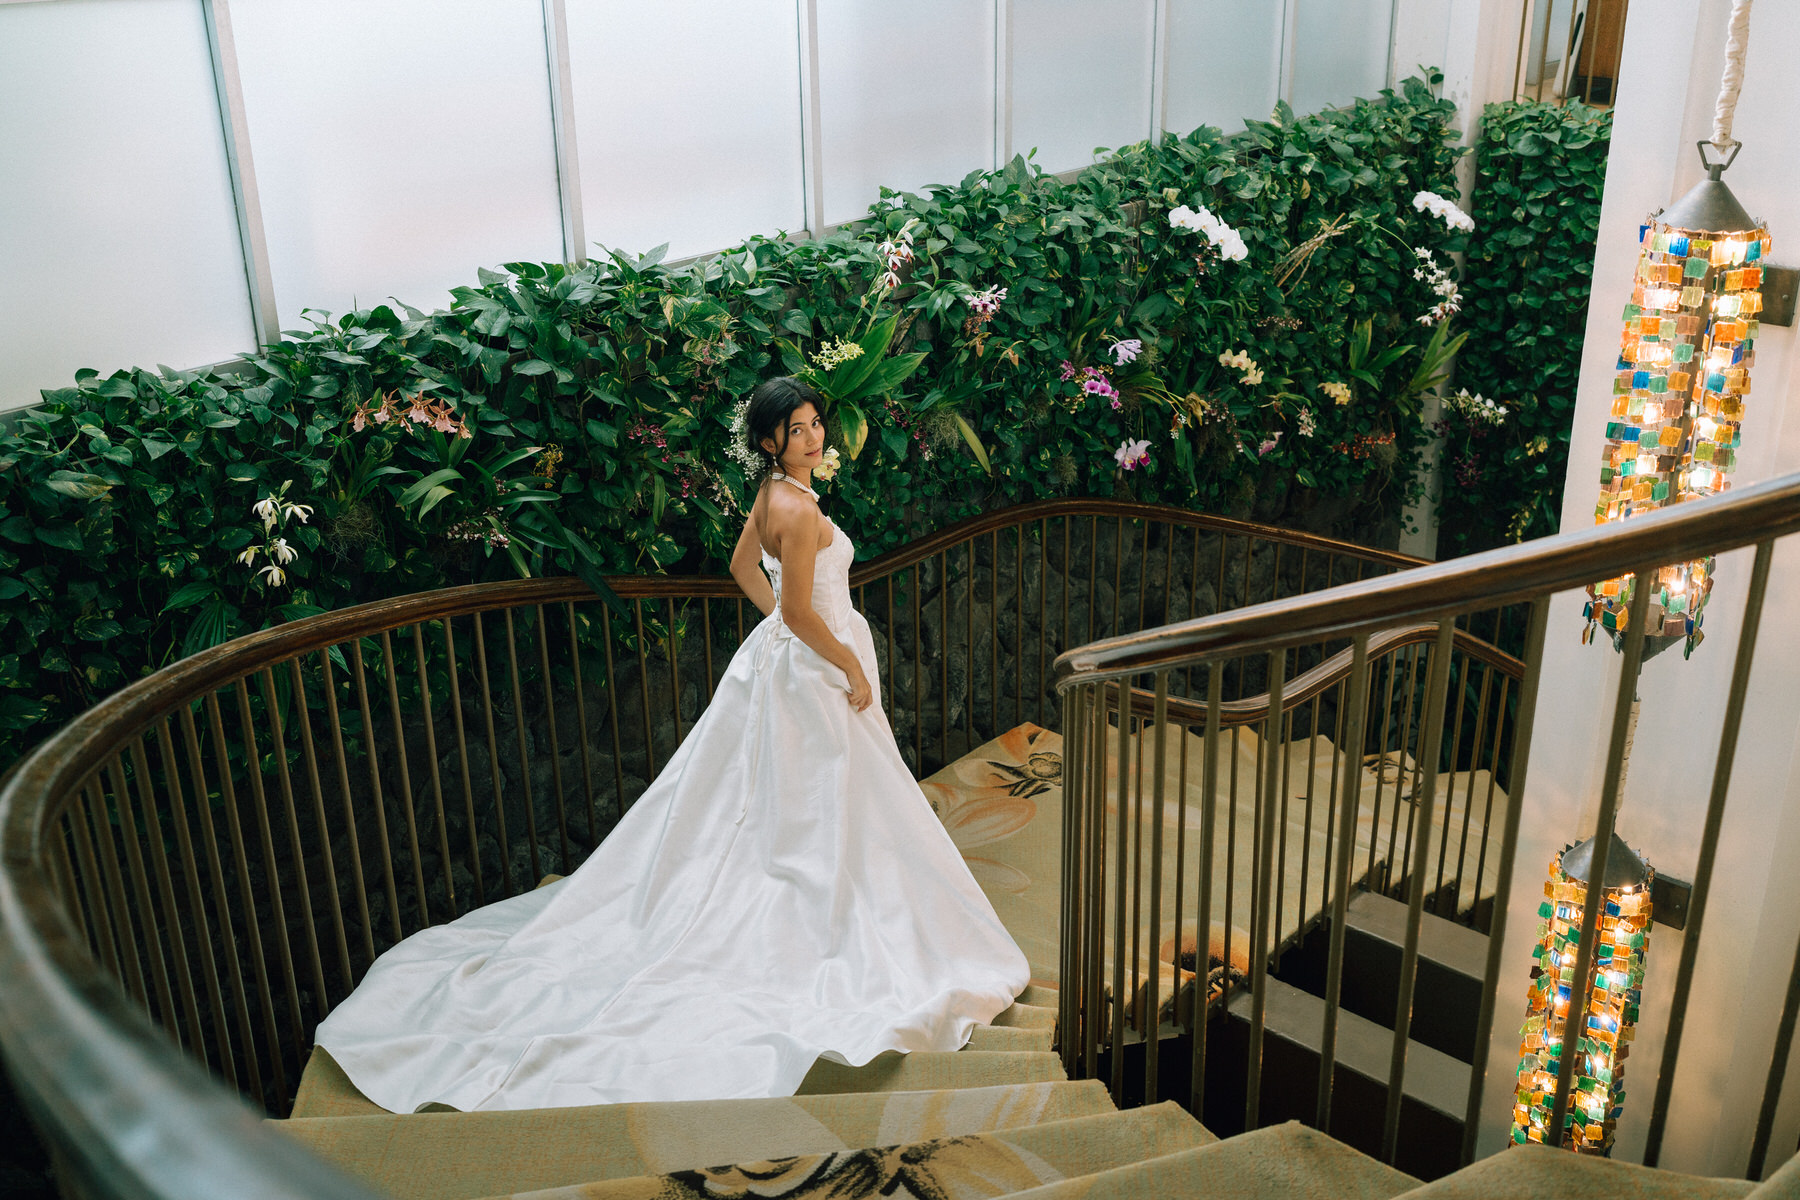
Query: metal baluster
(462,765)
(309,755)
(246,897)
(343,773)
(1703,873)
(1536,624)
(431,757)
(1152,1002)
(581,720)
(1424,794)
(1209,783)
(1609,801)
(556,772)
(408,800)
(1262,878)
(209,843)
(1346,852)
(271,876)
(1121,1002)
(493,741)
(378,802)
(296,844)
(190,873)
(614,699)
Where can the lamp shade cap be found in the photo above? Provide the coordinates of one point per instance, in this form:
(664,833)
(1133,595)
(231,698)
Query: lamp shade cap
(1708,207)
(1624,867)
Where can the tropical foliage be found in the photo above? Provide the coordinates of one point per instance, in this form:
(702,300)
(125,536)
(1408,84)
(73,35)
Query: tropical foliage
(1234,323)
(1530,266)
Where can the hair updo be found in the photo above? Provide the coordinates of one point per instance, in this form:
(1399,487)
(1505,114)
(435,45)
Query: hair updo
(767,413)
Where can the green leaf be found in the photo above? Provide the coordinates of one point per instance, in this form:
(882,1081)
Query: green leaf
(974,442)
(190,594)
(78,485)
(419,490)
(62,535)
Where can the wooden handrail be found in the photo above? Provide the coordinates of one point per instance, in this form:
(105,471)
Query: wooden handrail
(1322,678)
(1038,510)
(1745,516)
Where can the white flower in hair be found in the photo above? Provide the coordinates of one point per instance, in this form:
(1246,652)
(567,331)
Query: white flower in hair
(737,443)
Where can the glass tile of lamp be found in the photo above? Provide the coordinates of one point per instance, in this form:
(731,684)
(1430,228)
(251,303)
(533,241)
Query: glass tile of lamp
(1678,402)
(1599,1013)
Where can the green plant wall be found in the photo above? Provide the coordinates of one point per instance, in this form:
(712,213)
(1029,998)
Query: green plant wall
(557,420)
(1540,171)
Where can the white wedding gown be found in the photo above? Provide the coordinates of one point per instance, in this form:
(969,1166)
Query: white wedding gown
(781,892)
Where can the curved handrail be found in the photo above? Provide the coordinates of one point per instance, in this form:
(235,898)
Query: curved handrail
(92,1063)
(1322,678)
(68,756)
(1036,510)
(1753,514)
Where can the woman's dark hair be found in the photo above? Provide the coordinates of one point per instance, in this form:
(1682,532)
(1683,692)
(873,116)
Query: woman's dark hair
(771,404)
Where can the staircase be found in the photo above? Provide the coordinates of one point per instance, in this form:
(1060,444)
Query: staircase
(1441,1041)
(1000,1118)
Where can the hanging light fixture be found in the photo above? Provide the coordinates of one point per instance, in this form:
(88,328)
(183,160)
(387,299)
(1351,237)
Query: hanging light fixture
(1678,396)
(1685,355)
(1594,1020)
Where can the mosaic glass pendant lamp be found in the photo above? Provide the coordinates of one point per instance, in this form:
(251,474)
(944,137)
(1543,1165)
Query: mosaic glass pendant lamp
(1683,377)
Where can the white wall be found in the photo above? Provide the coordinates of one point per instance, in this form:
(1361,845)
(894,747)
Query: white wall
(397,145)
(1674,52)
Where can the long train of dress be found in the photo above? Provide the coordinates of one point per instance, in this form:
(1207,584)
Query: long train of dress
(781,892)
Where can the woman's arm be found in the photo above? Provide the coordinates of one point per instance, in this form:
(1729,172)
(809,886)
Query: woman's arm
(794,526)
(746,568)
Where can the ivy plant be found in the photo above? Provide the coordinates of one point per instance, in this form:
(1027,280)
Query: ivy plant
(1043,337)
(1541,169)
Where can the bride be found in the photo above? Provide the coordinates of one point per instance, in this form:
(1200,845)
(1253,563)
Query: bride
(782,892)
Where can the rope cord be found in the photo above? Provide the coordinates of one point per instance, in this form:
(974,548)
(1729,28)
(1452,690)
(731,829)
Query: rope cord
(1733,80)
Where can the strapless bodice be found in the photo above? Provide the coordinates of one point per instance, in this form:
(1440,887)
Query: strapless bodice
(831,579)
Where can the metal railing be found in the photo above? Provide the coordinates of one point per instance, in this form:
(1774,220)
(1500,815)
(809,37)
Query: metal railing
(1119,770)
(1569,50)
(196,870)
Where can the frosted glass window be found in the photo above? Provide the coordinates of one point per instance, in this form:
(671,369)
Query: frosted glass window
(907,96)
(118,241)
(1224,62)
(1081,78)
(399,145)
(1340,51)
(688,117)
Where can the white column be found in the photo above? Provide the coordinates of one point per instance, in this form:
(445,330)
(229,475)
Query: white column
(1668,80)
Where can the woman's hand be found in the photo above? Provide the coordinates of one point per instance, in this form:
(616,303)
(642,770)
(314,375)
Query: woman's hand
(861,694)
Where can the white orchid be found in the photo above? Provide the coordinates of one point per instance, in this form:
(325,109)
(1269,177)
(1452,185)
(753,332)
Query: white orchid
(267,510)
(248,557)
(281,552)
(273,576)
(1437,206)
(828,466)
(1229,242)
(298,511)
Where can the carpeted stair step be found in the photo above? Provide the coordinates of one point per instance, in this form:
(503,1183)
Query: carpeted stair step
(1026,1016)
(928,1070)
(325,1091)
(1532,1170)
(1008,1037)
(973,1167)
(452,1155)
(1281,1162)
